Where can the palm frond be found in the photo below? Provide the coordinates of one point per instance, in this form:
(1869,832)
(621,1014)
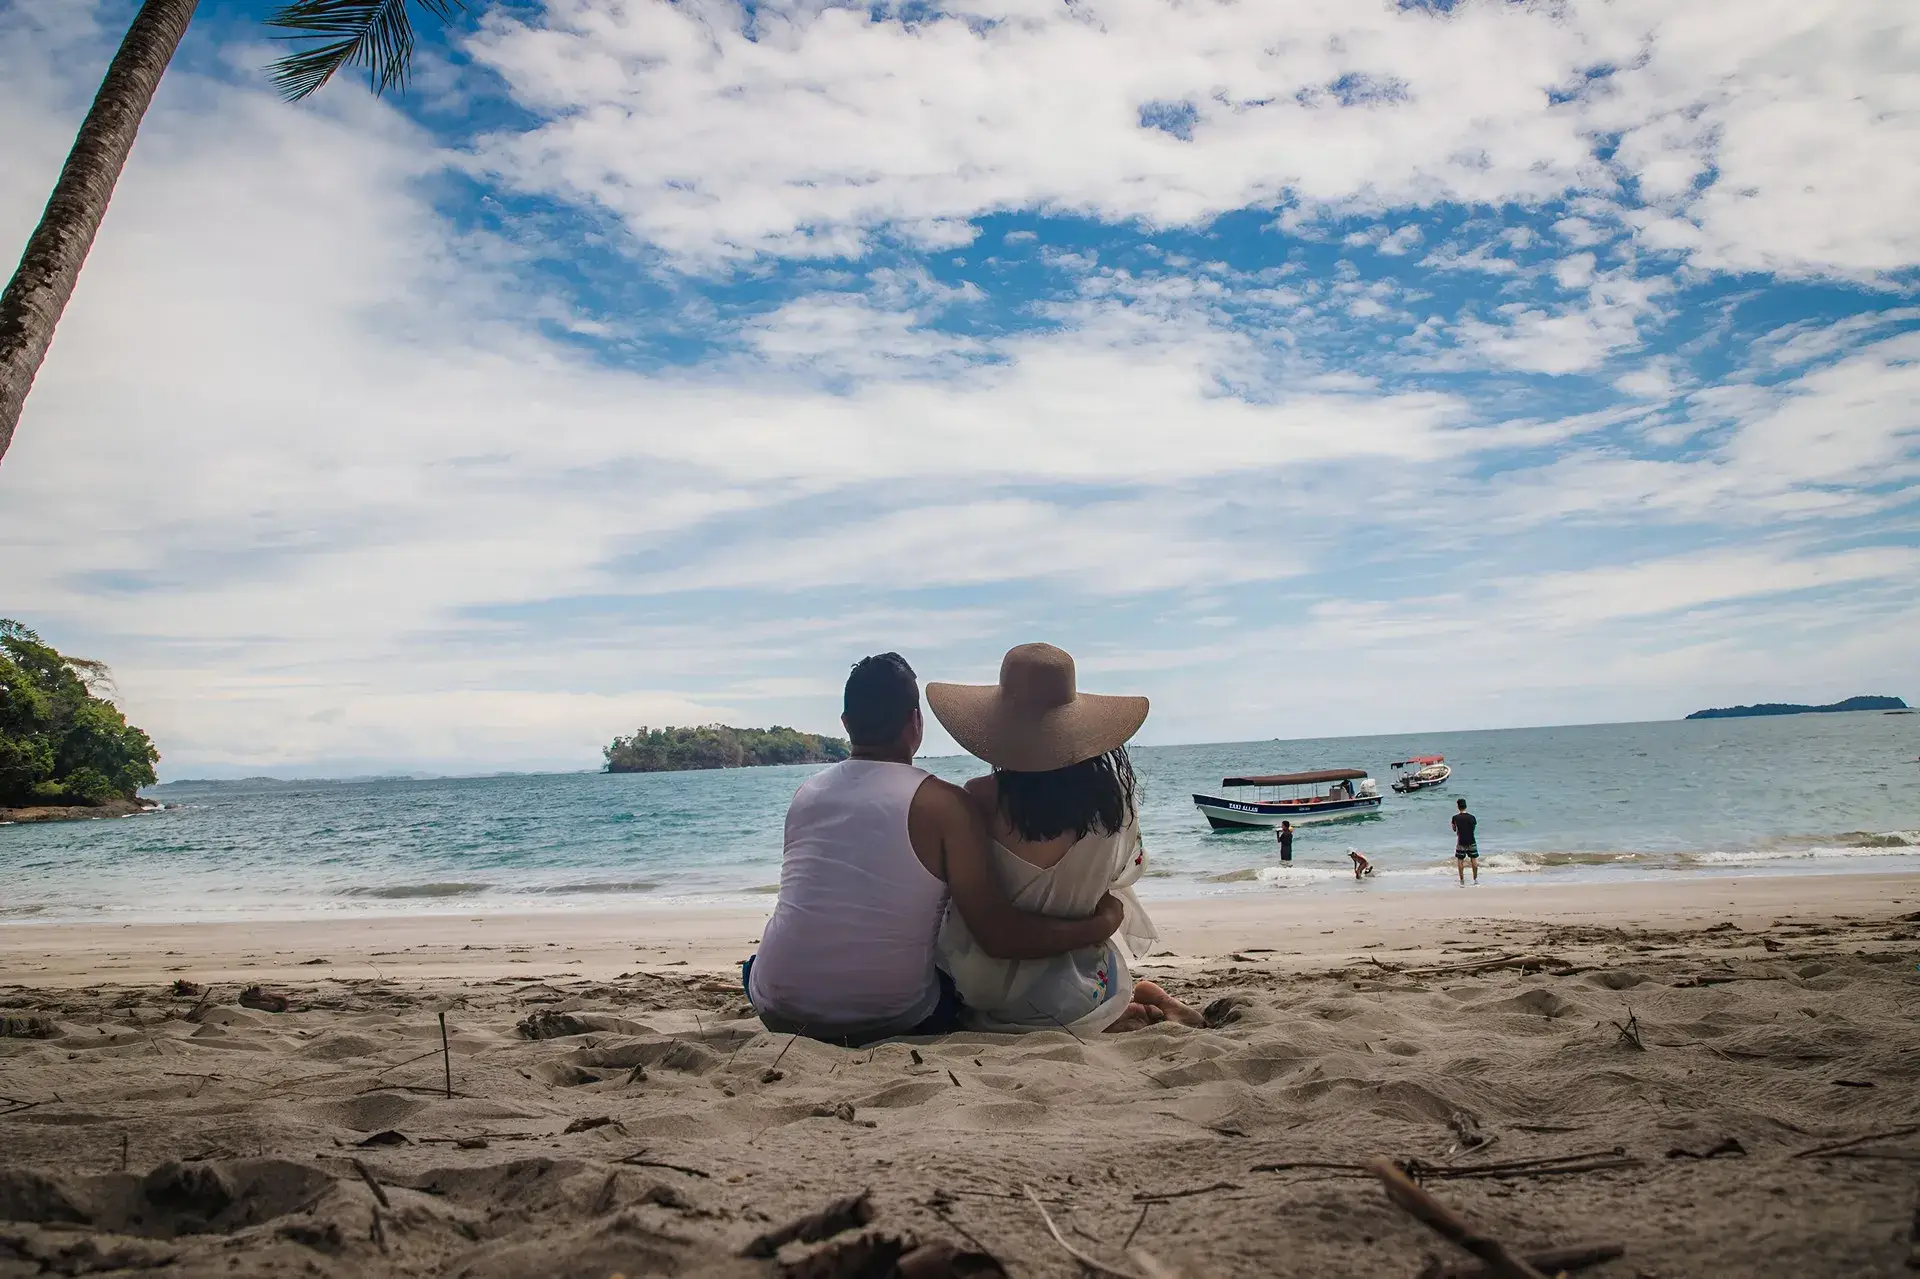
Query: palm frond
(375,34)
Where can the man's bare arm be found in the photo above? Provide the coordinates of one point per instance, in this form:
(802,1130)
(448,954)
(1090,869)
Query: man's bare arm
(1001,930)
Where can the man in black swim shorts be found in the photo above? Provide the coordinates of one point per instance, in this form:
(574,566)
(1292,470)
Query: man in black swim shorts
(1465,847)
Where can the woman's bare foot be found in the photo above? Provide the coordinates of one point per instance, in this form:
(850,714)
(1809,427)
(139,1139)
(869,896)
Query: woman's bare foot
(1147,994)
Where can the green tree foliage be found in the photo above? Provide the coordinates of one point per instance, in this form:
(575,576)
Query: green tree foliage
(60,742)
(665,750)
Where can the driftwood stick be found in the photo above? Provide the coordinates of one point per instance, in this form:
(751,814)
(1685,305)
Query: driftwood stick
(1090,1262)
(637,1160)
(1831,1147)
(1442,1220)
(842,1214)
(446,1055)
(1549,1261)
(1488,965)
(1292,1164)
(1147,1197)
(366,1175)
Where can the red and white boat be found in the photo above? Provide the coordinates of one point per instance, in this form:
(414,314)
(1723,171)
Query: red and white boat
(1421,772)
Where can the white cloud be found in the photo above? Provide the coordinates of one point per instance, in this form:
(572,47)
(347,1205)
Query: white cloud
(1774,135)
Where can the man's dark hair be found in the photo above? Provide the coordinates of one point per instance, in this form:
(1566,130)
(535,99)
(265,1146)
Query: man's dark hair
(1095,794)
(882,695)
(1461,804)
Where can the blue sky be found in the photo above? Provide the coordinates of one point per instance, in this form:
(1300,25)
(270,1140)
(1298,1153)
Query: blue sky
(1312,369)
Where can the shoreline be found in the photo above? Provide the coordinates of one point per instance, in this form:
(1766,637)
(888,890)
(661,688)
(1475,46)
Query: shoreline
(1294,931)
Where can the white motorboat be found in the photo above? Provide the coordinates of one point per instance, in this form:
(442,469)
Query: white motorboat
(1422,772)
(1267,802)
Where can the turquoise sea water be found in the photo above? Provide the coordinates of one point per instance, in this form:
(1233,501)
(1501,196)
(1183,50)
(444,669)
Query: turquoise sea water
(1768,796)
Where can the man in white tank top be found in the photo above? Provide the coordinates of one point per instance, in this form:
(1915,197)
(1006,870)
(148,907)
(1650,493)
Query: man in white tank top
(874,848)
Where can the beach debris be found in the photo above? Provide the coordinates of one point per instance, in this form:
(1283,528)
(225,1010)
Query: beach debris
(638,1075)
(1468,1130)
(1725,1146)
(841,1215)
(470,1143)
(1548,1261)
(588,1125)
(385,1137)
(1852,1083)
(266,1001)
(373,1184)
(1223,1012)
(184,989)
(1832,1148)
(844,1112)
(307,963)
(1149,1197)
(1500,1260)
(546,1024)
(446,1053)
(1144,1264)
(1630,1032)
(28,1026)
(772,1076)
(913,1054)
(1522,962)
(638,1159)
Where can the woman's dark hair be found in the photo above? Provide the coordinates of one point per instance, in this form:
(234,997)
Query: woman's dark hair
(882,695)
(1095,794)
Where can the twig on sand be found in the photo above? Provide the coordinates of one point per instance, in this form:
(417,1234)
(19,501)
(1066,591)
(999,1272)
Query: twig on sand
(1145,1208)
(378,1232)
(366,1175)
(1430,1212)
(1488,965)
(1832,1147)
(1549,1261)
(1630,1032)
(1151,1198)
(1544,1166)
(1085,1259)
(446,1055)
(638,1160)
(1293,1164)
(842,1214)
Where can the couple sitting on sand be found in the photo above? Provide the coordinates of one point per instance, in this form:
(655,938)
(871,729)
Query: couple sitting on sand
(910,906)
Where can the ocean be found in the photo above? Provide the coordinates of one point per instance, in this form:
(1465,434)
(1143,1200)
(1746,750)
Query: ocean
(1783,795)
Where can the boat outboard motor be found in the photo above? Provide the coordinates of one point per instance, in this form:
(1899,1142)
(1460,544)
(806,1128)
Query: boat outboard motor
(1369,788)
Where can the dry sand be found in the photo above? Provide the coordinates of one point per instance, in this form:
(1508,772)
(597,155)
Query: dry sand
(200,1137)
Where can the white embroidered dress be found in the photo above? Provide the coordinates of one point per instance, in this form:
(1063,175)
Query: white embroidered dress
(1084,991)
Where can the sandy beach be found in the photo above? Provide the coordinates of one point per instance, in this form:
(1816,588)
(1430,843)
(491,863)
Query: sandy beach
(1664,1061)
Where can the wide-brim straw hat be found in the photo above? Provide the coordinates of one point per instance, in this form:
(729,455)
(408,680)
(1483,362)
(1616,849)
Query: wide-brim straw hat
(1035,719)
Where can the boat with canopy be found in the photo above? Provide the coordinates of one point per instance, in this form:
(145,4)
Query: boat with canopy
(1421,772)
(1273,798)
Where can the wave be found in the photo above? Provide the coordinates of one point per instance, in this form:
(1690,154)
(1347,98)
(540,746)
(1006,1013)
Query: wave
(618,886)
(391,892)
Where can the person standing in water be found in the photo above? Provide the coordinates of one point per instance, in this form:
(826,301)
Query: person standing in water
(1466,848)
(1285,836)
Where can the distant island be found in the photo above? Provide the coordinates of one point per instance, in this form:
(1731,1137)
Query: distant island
(1791,708)
(672,750)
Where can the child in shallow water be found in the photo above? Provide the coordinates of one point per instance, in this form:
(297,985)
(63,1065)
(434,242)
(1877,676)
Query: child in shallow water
(1361,866)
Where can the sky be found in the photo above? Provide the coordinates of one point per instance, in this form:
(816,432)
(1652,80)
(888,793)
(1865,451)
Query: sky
(1312,368)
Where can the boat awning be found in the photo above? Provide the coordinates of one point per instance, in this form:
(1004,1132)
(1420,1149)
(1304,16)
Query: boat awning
(1299,779)
(1422,760)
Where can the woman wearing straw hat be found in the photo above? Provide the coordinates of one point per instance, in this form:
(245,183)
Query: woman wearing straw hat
(1060,805)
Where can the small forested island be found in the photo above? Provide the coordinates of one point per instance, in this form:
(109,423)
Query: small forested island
(669,750)
(1791,708)
(65,750)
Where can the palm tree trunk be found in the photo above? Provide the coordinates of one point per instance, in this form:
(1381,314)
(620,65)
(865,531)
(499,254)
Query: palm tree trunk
(38,292)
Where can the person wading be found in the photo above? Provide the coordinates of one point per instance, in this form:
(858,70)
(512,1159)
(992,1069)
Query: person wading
(1466,847)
